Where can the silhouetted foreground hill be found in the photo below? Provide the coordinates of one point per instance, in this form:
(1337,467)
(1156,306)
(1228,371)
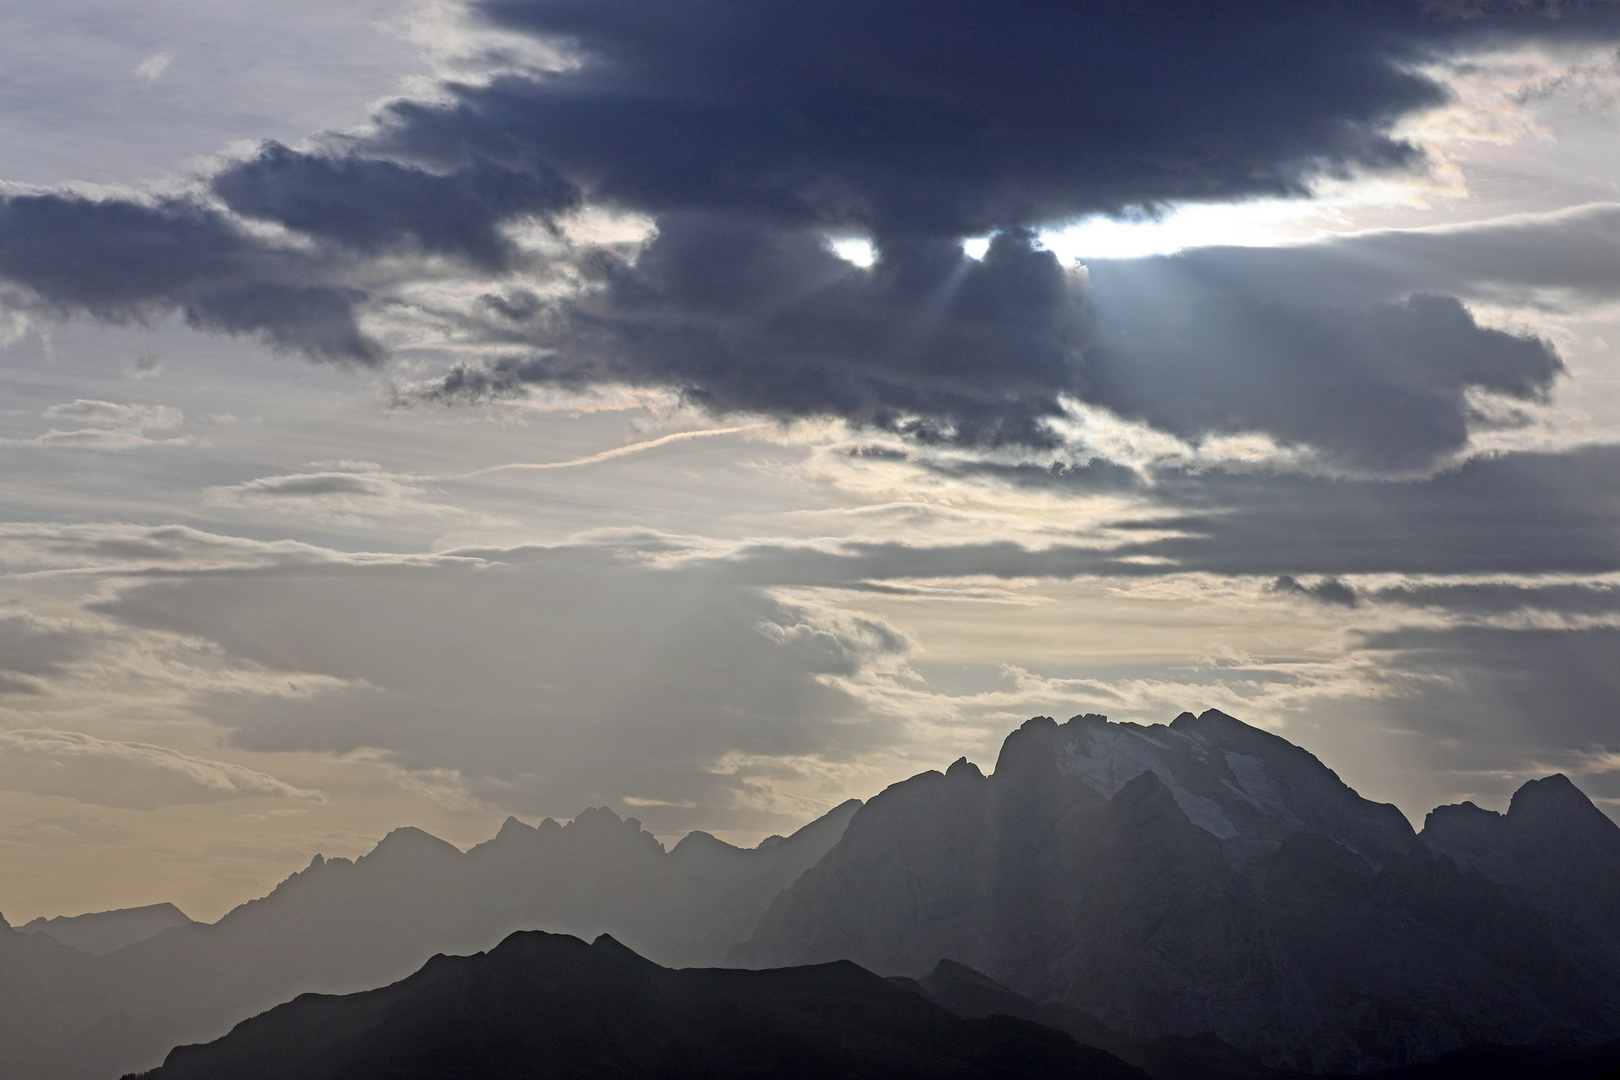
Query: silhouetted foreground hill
(544,1005)
(970,994)
(1209,878)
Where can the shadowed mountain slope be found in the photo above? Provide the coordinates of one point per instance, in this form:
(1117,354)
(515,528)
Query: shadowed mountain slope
(548,1005)
(1208,878)
(1553,849)
(970,994)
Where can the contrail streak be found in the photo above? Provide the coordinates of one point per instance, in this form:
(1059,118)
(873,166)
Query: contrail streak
(617,452)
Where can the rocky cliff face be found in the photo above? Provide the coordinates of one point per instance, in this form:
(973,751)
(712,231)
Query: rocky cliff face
(1206,876)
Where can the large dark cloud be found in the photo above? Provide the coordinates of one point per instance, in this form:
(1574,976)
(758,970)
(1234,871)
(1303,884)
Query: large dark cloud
(749,130)
(929,341)
(911,117)
(376,206)
(122,261)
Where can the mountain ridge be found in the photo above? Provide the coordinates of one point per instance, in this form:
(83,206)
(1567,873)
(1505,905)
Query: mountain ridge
(543,1004)
(1202,885)
(101,932)
(342,925)
(1205,876)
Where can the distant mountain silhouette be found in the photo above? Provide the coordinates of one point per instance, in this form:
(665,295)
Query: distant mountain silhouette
(1203,899)
(340,926)
(108,931)
(1207,878)
(544,1005)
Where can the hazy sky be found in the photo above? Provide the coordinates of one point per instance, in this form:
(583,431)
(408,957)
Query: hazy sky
(420,413)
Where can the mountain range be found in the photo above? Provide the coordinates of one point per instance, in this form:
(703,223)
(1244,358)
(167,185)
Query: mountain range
(1203,899)
(102,932)
(545,1005)
(341,925)
(1209,877)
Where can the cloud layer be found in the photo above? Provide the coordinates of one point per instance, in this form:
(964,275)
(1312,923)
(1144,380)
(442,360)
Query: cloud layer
(747,135)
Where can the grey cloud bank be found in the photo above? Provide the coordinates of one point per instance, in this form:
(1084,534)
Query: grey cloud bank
(893,120)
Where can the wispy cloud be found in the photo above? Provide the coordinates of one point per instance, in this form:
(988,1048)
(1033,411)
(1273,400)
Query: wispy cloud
(136,776)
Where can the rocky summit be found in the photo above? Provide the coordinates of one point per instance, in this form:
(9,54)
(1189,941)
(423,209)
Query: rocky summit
(1209,878)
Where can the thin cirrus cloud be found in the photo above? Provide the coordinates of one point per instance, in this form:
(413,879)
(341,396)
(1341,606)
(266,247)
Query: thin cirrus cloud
(108,426)
(344,497)
(745,148)
(128,775)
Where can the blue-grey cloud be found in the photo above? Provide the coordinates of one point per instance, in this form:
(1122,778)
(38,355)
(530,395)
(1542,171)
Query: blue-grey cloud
(928,342)
(123,261)
(377,206)
(1518,513)
(747,132)
(912,119)
(1382,387)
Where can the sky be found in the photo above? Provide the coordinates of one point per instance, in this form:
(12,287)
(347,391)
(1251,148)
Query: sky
(423,412)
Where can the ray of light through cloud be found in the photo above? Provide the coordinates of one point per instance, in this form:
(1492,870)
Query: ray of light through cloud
(929,409)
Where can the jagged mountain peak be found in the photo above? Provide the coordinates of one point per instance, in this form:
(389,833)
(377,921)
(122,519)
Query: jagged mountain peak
(1555,801)
(1545,816)
(410,843)
(512,829)
(1247,787)
(1205,878)
(101,932)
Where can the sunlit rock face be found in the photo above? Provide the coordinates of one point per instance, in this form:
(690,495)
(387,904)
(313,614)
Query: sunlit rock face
(1206,876)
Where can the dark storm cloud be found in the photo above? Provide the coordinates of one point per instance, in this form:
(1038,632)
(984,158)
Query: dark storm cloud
(748,130)
(912,118)
(1379,388)
(928,342)
(120,260)
(376,206)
